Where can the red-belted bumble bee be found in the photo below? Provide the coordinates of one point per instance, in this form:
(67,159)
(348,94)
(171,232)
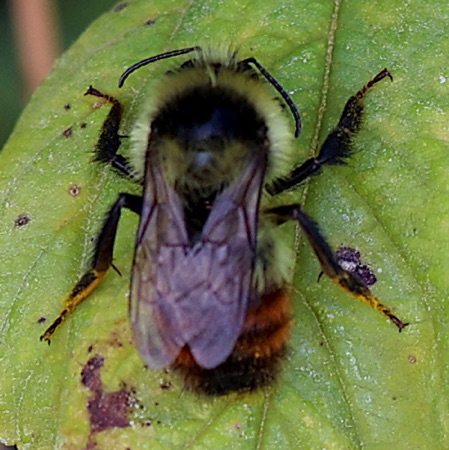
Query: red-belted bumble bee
(210,290)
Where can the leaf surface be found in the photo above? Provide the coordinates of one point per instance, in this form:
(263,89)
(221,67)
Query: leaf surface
(350,380)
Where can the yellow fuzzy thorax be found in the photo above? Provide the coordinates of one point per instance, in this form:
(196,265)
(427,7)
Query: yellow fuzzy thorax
(219,68)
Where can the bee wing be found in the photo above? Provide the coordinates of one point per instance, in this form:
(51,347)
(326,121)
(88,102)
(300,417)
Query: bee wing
(196,296)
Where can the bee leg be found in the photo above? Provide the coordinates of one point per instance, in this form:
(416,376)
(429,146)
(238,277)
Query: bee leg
(110,140)
(328,261)
(338,144)
(101,260)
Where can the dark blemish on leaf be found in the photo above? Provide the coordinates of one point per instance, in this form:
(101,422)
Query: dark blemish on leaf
(74,190)
(165,385)
(133,400)
(22,220)
(90,376)
(109,411)
(120,7)
(106,409)
(349,259)
(412,359)
(147,423)
(41,319)
(150,22)
(67,106)
(156,403)
(83,125)
(115,339)
(67,132)
(90,348)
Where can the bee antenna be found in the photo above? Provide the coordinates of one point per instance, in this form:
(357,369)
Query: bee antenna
(147,61)
(288,100)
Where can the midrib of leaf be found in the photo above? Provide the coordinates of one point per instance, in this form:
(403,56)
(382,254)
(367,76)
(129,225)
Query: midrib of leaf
(314,148)
(352,430)
(268,394)
(181,19)
(333,24)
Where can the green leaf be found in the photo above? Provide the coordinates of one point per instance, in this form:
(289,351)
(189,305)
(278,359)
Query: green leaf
(350,380)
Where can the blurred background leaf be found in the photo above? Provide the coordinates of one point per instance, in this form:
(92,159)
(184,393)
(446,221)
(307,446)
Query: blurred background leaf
(350,381)
(65,19)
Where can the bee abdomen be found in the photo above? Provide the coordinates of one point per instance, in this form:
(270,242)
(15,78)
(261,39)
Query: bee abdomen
(257,355)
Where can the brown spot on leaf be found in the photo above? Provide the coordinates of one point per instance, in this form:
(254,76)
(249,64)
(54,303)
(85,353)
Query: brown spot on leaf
(22,220)
(115,339)
(106,409)
(165,385)
(349,259)
(109,411)
(74,190)
(90,375)
(67,132)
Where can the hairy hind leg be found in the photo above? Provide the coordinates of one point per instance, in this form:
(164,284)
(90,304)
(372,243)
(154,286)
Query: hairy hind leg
(329,265)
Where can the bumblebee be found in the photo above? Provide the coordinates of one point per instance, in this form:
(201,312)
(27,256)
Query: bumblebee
(210,291)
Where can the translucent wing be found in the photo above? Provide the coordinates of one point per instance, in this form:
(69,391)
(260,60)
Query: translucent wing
(194,295)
